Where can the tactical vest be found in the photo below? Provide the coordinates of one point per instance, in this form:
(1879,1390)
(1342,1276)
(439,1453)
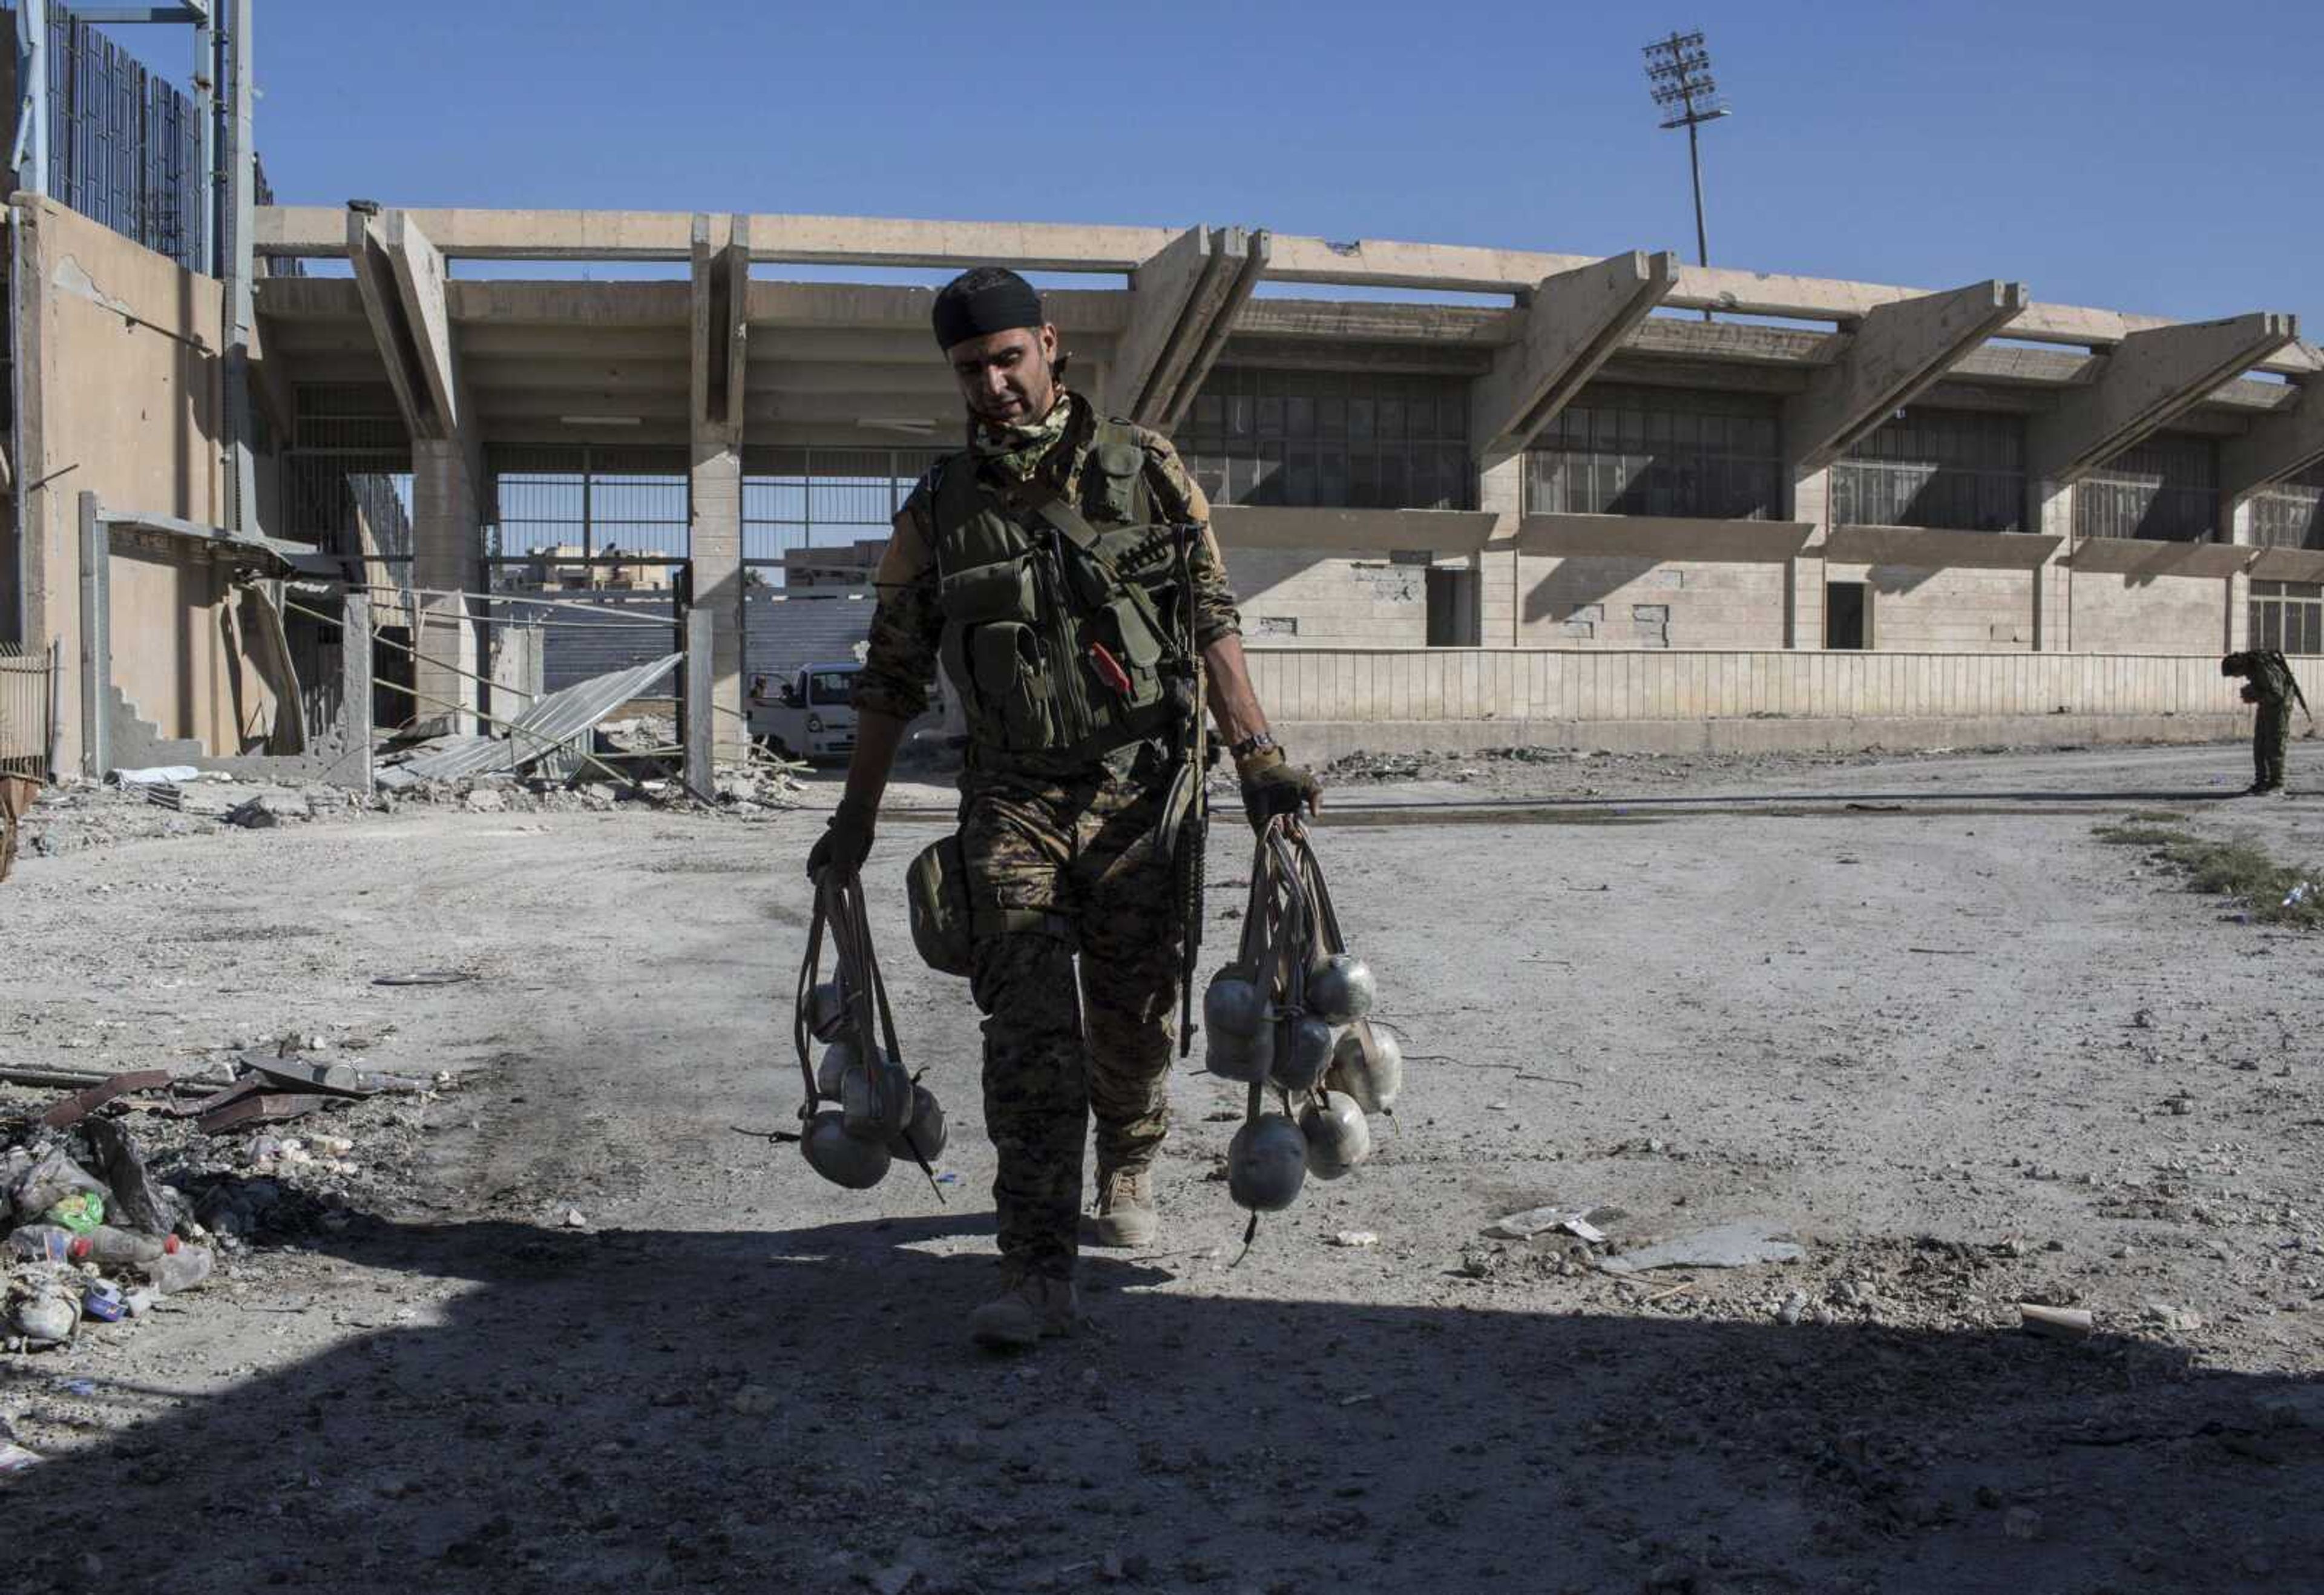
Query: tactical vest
(1055,634)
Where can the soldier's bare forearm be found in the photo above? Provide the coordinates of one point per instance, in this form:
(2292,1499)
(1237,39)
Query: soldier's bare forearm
(1234,703)
(877,738)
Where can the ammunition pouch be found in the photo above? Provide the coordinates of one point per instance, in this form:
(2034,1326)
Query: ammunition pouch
(935,888)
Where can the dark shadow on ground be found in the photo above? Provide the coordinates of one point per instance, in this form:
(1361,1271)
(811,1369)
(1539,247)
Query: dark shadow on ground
(798,1411)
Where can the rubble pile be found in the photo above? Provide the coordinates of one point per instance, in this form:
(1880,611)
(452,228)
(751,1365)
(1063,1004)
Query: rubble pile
(135,1187)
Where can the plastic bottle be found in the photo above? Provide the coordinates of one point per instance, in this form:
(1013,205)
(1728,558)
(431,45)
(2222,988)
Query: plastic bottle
(106,1244)
(40,1243)
(181,1270)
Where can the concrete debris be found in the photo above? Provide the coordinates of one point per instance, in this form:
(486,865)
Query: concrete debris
(1355,1237)
(269,809)
(16,1459)
(1739,1244)
(172,775)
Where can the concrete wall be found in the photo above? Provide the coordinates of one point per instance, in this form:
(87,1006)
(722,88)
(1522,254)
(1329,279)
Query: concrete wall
(1334,598)
(1956,610)
(2118,611)
(1599,602)
(1384,684)
(122,398)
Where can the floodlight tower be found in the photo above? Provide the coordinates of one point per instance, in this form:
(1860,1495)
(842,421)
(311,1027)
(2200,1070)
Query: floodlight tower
(1678,71)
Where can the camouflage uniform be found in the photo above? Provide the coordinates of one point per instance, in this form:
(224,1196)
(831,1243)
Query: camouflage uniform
(1072,839)
(2272,687)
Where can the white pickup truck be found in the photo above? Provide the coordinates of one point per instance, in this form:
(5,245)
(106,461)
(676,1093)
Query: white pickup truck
(809,714)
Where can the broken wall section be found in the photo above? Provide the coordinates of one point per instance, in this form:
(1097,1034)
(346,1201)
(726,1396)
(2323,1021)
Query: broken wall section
(122,397)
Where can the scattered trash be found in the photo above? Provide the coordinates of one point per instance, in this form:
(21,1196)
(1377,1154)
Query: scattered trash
(48,1313)
(426,977)
(2299,894)
(1533,1221)
(77,1387)
(1737,1245)
(101,1301)
(2060,1324)
(81,1213)
(16,1459)
(269,809)
(1355,1237)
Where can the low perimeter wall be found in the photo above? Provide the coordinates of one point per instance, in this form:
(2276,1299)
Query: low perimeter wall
(1392,699)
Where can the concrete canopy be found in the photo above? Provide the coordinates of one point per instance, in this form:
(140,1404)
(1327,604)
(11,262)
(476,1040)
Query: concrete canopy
(2151,378)
(1576,321)
(1897,353)
(2278,445)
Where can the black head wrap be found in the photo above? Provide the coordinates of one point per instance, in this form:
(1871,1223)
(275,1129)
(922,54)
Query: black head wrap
(988,299)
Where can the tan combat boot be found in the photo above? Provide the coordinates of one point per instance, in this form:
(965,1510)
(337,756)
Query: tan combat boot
(1031,1305)
(1126,1214)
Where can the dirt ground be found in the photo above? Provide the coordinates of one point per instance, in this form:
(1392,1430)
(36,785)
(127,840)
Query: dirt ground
(579,1325)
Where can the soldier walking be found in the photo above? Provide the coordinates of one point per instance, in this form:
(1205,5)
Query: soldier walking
(1024,563)
(2271,688)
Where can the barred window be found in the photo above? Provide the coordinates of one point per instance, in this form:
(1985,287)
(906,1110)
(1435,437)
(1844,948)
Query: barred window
(2287,616)
(586,515)
(2166,490)
(1961,470)
(799,498)
(1332,439)
(1651,451)
(2291,515)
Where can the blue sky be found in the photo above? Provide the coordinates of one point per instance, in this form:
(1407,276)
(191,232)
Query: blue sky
(2152,157)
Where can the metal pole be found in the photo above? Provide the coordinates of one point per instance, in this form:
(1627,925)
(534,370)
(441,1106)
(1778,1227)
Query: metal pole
(32,150)
(1694,161)
(205,254)
(241,179)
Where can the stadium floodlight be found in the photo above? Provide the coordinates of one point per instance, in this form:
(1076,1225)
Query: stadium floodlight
(1678,72)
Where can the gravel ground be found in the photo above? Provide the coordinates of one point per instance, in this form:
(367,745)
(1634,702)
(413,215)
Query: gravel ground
(574,1323)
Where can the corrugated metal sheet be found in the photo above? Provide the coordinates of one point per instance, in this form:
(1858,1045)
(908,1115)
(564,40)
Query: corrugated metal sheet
(553,723)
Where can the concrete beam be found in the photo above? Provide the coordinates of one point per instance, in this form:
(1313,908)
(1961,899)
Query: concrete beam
(2152,377)
(1246,255)
(868,240)
(1161,290)
(1577,319)
(400,281)
(1898,351)
(721,295)
(2278,444)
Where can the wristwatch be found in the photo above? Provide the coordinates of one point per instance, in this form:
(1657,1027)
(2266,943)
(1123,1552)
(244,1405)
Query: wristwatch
(1258,741)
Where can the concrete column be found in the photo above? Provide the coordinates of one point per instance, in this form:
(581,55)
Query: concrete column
(2235,633)
(447,558)
(1803,574)
(353,768)
(1500,489)
(715,548)
(2053,516)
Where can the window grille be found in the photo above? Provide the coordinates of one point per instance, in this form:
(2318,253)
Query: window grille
(1649,451)
(1961,470)
(2165,490)
(1330,438)
(2287,616)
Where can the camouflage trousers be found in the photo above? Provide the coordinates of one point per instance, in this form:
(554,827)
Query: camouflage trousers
(2271,730)
(1059,1051)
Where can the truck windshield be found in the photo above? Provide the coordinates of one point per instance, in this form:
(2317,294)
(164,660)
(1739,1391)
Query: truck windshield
(831,688)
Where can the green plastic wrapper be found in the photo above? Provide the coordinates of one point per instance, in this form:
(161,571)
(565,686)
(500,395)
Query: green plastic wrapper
(81,1213)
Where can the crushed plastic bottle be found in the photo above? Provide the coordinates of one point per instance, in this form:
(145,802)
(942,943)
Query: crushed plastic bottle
(40,1243)
(106,1244)
(2299,894)
(181,1270)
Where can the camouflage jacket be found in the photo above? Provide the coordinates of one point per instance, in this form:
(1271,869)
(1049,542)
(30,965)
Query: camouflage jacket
(908,624)
(2269,674)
